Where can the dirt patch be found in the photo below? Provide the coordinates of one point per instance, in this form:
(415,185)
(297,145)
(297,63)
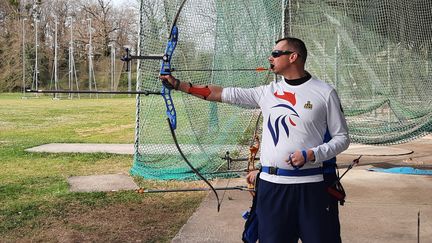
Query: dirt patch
(145,221)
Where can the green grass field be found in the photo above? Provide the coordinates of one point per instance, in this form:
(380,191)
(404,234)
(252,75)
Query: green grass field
(35,203)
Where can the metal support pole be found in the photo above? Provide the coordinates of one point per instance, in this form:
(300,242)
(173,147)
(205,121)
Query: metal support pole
(23,58)
(130,78)
(92,79)
(90,53)
(36,68)
(72,69)
(113,65)
(55,58)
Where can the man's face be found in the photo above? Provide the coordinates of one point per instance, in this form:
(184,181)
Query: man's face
(281,58)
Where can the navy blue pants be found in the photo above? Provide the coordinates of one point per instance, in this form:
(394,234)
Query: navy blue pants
(333,205)
(289,212)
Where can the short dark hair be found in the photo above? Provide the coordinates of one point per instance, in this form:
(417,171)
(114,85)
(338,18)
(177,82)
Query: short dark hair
(298,46)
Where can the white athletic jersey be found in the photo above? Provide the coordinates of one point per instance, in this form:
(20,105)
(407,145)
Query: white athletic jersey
(295,117)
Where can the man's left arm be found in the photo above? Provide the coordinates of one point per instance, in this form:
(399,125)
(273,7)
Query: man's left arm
(339,142)
(338,129)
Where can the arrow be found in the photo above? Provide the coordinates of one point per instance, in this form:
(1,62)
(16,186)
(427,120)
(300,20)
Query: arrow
(258,69)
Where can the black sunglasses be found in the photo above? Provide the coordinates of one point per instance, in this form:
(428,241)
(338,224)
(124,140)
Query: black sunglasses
(279,53)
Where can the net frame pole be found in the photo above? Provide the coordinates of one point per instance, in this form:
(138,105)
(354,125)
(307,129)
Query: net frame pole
(283,18)
(138,85)
(336,68)
(289,17)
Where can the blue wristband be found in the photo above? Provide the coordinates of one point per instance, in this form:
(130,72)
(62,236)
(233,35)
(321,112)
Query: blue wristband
(304,155)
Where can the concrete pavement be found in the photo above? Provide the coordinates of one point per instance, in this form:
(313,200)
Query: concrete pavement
(380,207)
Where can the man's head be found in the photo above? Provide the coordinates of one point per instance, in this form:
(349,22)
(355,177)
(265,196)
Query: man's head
(288,55)
(295,45)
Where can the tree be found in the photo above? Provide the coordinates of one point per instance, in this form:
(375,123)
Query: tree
(109,26)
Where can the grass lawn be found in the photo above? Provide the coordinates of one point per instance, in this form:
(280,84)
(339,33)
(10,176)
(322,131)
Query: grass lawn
(35,203)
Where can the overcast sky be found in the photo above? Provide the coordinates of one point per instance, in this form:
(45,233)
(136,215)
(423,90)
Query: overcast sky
(119,2)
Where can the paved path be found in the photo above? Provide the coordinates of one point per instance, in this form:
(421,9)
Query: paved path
(125,148)
(354,149)
(101,183)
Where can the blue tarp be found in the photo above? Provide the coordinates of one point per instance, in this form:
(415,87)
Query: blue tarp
(403,170)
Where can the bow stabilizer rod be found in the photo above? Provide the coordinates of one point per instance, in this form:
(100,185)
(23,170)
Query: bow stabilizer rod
(144,92)
(336,190)
(353,163)
(128,58)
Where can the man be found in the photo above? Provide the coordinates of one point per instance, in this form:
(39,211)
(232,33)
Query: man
(298,112)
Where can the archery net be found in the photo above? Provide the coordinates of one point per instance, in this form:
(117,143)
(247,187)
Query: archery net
(375,53)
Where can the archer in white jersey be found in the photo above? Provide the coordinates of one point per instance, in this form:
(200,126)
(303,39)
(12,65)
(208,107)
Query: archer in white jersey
(303,127)
(295,118)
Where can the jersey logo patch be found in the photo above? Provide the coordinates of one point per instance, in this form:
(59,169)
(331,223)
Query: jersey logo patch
(281,120)
(308,105)
(288,96)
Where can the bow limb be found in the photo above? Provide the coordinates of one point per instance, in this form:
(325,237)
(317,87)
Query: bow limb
(166,94)
(193,168)
(166,69)
(253,150)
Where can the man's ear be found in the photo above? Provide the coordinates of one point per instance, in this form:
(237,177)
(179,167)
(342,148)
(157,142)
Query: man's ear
(293,57)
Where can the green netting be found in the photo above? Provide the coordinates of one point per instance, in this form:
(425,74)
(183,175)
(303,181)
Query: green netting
(210,37)
(375,53)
